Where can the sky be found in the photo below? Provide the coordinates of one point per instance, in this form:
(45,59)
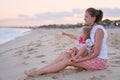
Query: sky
(44,12)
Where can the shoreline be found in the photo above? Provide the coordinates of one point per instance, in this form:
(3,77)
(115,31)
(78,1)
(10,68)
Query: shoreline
(5,34)
(27,32)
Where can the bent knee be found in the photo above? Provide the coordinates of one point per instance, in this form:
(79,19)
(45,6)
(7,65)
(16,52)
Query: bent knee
(67,61)
(66,55)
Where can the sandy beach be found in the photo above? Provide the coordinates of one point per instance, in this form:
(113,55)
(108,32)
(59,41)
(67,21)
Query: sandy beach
(41,46)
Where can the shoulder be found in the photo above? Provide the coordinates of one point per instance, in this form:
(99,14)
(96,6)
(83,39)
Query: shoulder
(99,29)
(99,34)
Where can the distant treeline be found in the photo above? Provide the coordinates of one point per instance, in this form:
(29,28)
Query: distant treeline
(106,23)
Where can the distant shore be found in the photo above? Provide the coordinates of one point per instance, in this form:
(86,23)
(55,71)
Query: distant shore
(106,23)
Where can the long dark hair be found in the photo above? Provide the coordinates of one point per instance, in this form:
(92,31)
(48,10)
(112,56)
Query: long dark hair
(96,13)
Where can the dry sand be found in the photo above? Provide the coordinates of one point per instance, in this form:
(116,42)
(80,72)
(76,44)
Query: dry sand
(41,46)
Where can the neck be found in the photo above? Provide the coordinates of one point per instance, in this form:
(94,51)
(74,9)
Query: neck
(92,25)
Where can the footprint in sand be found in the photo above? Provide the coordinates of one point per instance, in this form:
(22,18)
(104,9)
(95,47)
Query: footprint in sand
(25,63)
(33,68)
(43,62)
(102,76)
(30,52)
(28,78)
(116,47)
(18,54)
(54,77)
(26,57)
(95,78)
(108,71)
(30,49)
(30,44)
(58,50)
(40,56)
(37,45)
(19,51)
(115,61)
(114,65)
(8,50)
(117,57)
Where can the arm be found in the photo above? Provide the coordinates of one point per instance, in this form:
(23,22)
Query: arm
(81,53)
(73,51)
(70,35)
(98,37)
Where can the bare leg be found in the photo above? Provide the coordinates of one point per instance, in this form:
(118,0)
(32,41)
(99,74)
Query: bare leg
(54,68)
(58,66)
(58,59)
(61,57)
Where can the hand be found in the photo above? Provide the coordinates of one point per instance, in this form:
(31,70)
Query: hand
(76,59)
(73,60)
(72,51)
(73,54)
(63,33)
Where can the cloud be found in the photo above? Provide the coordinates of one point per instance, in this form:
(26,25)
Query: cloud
(23,16)
(111,12)
(56,15)
(52,15)
(77,11)
(20,17)
(45,16)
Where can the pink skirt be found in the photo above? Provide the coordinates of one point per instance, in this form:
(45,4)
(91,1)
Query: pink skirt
(94,64)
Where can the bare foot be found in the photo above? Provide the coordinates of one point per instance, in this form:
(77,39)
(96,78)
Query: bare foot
(31,73)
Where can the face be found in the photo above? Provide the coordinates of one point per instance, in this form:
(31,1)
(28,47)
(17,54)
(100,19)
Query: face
(82,33)
(89,19)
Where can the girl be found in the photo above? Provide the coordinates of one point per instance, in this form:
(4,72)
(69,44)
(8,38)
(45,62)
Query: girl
(97,59)
(85,44)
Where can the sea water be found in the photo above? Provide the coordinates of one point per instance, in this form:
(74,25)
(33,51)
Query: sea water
(7,34)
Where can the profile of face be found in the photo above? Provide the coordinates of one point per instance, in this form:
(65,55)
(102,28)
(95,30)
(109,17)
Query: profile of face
(89,19)
(82,34)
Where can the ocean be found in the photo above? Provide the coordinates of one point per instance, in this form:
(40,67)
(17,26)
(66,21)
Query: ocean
(7,34)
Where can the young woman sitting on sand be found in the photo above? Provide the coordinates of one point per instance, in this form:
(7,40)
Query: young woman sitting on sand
(96,60)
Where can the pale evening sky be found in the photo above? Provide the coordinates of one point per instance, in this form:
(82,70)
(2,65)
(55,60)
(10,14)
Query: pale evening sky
(39,12)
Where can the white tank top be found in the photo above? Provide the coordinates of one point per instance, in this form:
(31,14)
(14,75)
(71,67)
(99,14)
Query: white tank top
(103,52)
